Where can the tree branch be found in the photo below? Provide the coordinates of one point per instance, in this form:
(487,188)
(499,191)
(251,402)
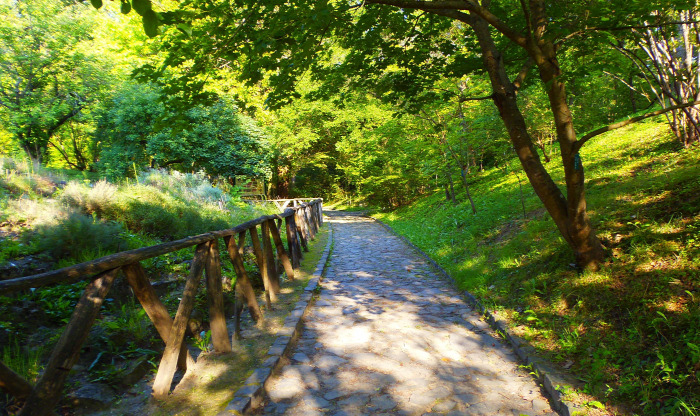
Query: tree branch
(486,97)
(518,81)
(438,7)
(64,154)
(423,5)
(61,121)
(642,93)
(617,28)
(579,143)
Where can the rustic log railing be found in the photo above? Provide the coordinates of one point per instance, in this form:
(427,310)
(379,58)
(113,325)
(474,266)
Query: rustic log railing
(302,221)
(282,204)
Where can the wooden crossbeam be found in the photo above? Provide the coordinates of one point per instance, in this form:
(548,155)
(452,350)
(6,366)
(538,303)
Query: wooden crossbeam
(243,284)
(154,308)
(47,391)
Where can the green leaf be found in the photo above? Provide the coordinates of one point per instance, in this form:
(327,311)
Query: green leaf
(596,404)
(184,28)
(150,23)
(126,7)
(141,6)
(96,3)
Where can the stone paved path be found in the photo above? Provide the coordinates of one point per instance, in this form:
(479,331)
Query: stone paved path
(387,336)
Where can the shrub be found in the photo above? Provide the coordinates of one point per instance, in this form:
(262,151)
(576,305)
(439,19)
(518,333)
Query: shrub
(74,194)
(188,186)
(34,212)
(78,236)
(95,199)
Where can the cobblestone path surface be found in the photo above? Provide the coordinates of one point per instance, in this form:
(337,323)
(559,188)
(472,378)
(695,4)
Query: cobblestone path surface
(387,336)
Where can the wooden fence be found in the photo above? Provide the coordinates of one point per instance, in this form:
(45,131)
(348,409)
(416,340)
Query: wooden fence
(301,221)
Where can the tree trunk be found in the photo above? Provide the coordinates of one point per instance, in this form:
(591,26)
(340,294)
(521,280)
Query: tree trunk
(582,238)
(569,215)
(452,186)
(463,175)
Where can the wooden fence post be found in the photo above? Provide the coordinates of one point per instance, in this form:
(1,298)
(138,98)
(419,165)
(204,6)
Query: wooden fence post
(273,274)
(215,295)
(281,253)
(314,217)
(292,240)
(154,308)
(301,229)
(241,243)
(278,223)
(270,296)
(309,223)
(166,369)
(320,212)
(47,391)
(243,285)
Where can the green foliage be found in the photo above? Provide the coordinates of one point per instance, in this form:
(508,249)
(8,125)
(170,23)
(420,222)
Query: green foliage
(167,206)
(90,220)
(216,139)
(55,302)
(204,341)
(48,74)
(126,324)
(193,187)
(23,179)
(361,148)
(24,361)
(78,236)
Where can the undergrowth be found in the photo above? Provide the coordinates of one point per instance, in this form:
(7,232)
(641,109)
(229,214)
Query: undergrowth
(49,221)
(70,221)
(630,332)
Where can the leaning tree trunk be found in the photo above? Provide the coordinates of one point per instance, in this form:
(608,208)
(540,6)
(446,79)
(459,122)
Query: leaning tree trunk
(451,183)
(569,214)
(587,247)
(463,175)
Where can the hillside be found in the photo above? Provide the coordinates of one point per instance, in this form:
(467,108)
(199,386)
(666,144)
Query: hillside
(630,332)
(49,221)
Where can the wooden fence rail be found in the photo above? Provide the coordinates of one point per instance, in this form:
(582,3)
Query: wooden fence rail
(301,221)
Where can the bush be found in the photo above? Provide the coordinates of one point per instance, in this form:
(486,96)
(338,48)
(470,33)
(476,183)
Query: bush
(78,237)
(188,186)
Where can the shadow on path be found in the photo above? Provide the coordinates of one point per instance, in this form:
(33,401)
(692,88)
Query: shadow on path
(388,336)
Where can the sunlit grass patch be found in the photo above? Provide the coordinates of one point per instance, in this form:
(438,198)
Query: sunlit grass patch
(631,331)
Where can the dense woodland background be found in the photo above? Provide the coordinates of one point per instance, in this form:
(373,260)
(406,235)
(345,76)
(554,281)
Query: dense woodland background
(127,123)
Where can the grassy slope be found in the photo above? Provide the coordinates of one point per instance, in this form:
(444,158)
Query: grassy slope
(632,331)
(42,225)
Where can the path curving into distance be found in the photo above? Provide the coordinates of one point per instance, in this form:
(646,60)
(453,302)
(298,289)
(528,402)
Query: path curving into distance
(387,336)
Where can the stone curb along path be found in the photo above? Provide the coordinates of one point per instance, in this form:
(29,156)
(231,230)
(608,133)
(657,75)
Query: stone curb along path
(251,394)
(388,335)
(544,372)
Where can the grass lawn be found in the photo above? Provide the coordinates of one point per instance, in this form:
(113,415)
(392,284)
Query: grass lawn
(630,332)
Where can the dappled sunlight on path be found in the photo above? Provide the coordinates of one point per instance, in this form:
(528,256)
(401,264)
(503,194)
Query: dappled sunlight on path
(387,336)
